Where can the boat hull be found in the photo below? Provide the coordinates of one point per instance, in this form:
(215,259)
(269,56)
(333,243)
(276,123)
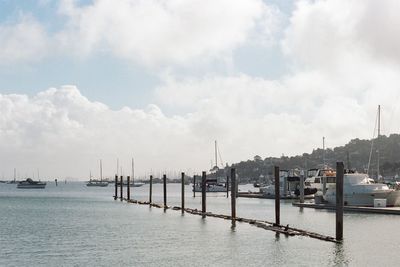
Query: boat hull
(367,199)
(211,189)
(37,186)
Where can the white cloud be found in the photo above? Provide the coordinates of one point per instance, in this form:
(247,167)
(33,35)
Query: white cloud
(162,32)
(25,41)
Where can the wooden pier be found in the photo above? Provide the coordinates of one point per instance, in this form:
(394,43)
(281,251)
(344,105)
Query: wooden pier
(275,227)
(387,210)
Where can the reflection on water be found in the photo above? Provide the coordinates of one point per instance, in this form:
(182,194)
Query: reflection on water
(77,225)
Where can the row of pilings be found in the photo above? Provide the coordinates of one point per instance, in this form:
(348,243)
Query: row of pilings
(276,226)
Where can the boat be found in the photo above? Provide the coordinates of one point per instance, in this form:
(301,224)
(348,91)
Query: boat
(315,178)
(215,184)
(289,186)
(97,183)
(30,184)
(361,190)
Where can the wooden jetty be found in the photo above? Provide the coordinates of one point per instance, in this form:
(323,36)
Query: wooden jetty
(387,210)
(276,227)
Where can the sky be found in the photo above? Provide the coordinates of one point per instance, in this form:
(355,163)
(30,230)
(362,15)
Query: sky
(160,80)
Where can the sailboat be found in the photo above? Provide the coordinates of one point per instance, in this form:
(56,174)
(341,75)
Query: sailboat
(212,184)
(98,183)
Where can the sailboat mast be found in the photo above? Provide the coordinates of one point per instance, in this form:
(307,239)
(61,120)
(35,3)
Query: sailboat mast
(323,150)
(15,174)
(133,171)
(101,171)
(216,162)
(117,166)
(379,134)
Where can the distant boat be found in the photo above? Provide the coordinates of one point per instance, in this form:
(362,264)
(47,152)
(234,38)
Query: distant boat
(97,183)
(30,184)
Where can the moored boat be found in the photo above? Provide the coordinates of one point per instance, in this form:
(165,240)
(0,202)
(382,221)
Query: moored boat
(361,190)
(30,184)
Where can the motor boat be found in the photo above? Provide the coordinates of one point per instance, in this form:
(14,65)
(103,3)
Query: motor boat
(30,184)
(361,190)
(315,178)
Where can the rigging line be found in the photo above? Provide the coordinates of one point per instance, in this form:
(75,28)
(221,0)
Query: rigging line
(372,144)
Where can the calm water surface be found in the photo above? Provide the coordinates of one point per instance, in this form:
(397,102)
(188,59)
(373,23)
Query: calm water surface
(75,225)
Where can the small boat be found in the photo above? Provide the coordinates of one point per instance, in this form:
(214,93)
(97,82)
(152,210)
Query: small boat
(30,184)
(361,190)
(97,183)
(212,185)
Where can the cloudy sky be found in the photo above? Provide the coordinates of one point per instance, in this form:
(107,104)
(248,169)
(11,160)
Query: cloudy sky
(160,80)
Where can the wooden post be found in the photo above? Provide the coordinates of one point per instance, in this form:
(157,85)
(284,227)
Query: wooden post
(203,194)
(285,185)
(323,185)
(128,188)
(116,187)
(151,189)
(277,197)
(339,200)
(121,190)
(194,185)
(301,187)
(165,190)
(183,193)
(227,186)
(233,194)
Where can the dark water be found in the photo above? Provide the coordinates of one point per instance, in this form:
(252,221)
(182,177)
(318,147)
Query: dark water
(75,225)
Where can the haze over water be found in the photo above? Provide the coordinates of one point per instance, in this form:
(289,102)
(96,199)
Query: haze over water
(75,225)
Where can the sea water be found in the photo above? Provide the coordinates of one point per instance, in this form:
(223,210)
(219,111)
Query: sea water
(76,225)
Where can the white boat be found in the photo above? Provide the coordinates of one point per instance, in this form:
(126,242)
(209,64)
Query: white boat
(212,185)
(97,183)
(361,190)
(30,184)
(315,178)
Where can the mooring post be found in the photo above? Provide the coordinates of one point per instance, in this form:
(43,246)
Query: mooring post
(301,187)
(323,185)
(233,194)
(116,187)
(203,194)
(339,200)
(183,193)
(277,197)
(227,186)
(194,185)
(151,189)
(285,186)
(121,190)
(128,188)
(165,190)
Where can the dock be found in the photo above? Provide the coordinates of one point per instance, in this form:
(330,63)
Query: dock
(387,210)
(261,195)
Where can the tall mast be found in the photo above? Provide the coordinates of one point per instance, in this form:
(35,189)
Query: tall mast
(323,150)
(216,162)
(15,174)
(379,134)
(101,171)
(133,171)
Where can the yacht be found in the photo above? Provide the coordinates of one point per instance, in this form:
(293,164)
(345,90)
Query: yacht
(361,190)
(315,178)
(30,184)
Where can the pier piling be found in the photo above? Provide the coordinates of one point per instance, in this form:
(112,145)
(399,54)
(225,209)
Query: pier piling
(121,190)
(128,188)
(194,185)
(302,186)
(165,190)
(233,195)
(203,194)
(151,189)
(277,197)
(324,184)
(183,193)
(339,200)
(116,187)
(227,186)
